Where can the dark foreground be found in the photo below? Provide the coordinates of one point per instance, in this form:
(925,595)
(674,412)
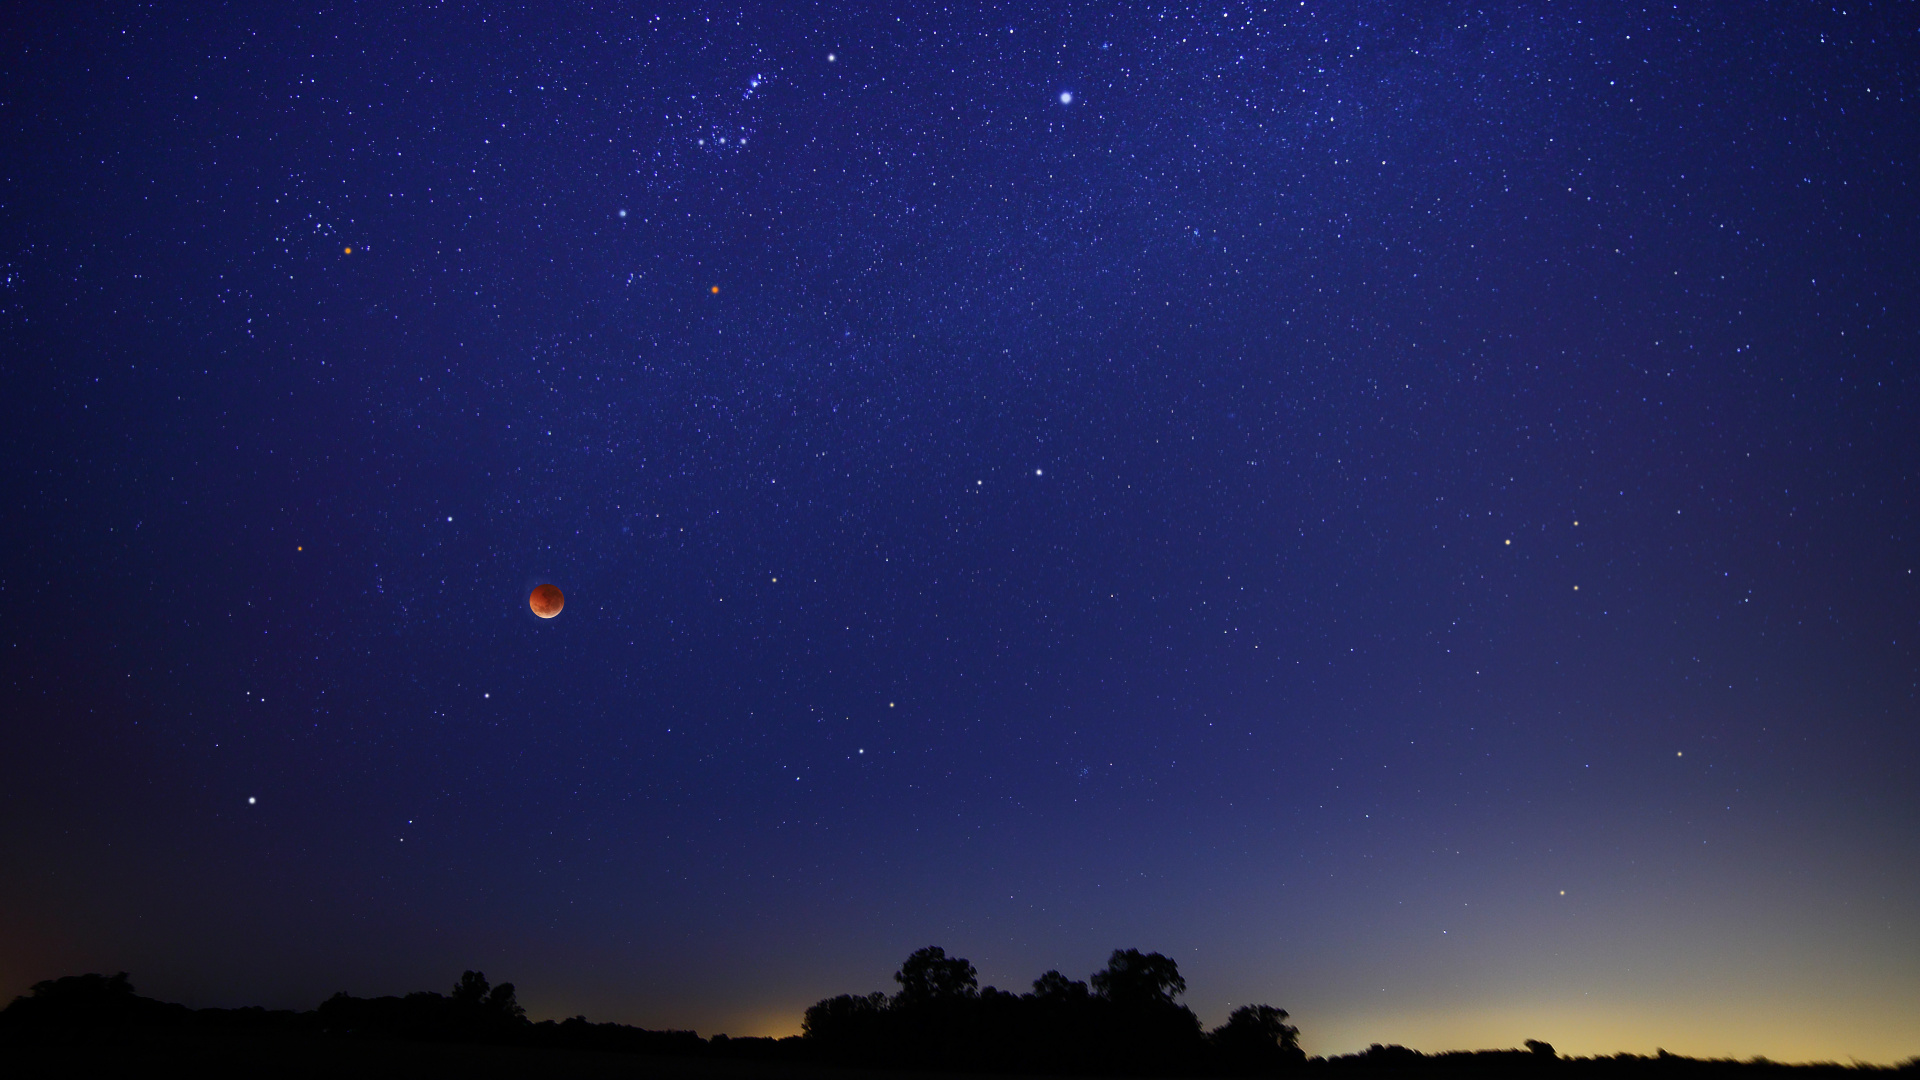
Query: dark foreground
(215,1054)
(169,1052)
(93,1025)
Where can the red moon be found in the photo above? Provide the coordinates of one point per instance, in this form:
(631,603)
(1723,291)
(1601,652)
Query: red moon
(546,600)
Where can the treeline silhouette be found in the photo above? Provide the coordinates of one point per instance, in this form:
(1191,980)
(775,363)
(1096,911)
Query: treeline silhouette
(1123,1020)
(79,1008)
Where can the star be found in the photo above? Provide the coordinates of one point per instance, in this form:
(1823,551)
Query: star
(1066,97)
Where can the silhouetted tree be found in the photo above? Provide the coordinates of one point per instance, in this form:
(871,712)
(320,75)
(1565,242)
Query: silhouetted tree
(1135,978)
(929,976)
(1054,986)
(471,990)
(474,998)
(1257,1038)
(1541,1049)
(1135,1025)
(502,1004)
(1390,1057)
(80,1001)
(78,1007)
(846,1019)
(1259,1025)
(96,991)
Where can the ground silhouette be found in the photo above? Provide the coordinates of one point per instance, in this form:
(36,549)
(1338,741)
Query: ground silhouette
(1123,1020)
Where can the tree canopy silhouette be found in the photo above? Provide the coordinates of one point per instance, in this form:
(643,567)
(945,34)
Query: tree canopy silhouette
(1124,1019)
(1054,986)
(1257,1038)
(930,976)
(1135,978)
(496,1003)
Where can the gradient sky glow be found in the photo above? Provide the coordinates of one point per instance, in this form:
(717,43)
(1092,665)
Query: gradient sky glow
(1409,511)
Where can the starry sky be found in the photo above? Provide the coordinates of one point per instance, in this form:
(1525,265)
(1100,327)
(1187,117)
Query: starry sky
(1408,510)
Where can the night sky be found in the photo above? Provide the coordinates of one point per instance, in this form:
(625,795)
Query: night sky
(1408,510)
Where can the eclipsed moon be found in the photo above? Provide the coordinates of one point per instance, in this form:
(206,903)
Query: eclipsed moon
(546,600)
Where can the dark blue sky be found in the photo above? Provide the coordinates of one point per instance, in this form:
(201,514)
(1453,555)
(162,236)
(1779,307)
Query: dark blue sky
(1408,510)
